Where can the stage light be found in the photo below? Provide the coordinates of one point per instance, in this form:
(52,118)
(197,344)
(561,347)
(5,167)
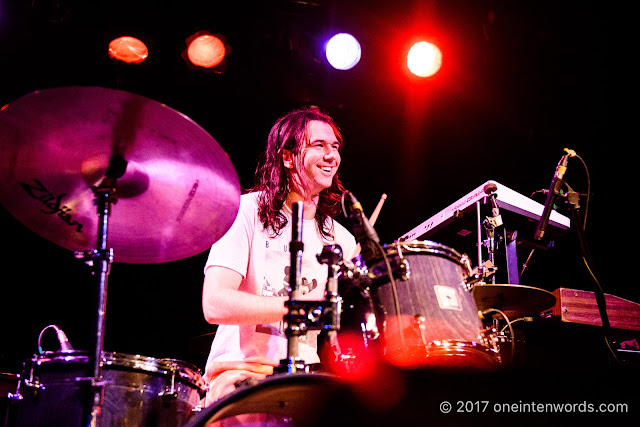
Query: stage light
(205,50)
(424,59)
(128,49)
(343,51)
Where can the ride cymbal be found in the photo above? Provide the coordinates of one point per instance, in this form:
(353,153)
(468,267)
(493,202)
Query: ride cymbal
(178,194)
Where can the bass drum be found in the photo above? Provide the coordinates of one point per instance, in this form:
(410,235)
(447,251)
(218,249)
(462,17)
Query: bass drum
(426,316)
(294,399)
(138,390)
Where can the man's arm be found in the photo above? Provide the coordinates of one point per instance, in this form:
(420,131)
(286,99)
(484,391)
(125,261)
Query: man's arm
(223,302)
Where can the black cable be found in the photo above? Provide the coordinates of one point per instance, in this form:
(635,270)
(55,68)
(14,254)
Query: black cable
(394,289)
(586,208)
(586,258)
(597,288)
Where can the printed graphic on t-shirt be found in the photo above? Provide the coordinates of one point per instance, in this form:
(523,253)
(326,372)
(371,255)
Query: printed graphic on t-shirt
(278,272)
(305,285)
(278,275)
(269,290)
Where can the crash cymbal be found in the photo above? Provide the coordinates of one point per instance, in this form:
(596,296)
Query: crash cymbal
(178,195)
(513,300)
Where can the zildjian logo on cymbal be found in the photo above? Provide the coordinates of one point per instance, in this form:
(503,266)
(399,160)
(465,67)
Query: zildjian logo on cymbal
(52,202)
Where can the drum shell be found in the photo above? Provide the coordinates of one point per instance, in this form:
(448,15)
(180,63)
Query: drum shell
(434,294)
(138,390)
(428,310)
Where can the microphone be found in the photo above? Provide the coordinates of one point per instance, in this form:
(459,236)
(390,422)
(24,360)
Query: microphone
(552,195)
(65,345)
(362,229)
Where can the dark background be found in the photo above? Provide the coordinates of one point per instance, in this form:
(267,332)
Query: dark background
(520,81)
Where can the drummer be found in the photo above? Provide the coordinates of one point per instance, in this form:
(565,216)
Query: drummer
(247,272)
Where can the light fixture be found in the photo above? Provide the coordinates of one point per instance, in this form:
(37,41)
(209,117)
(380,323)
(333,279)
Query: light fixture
(424,59)
(205,50)
(128,49)
(343,51)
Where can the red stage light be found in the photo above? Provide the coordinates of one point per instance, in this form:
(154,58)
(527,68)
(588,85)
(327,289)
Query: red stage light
(424,59)
(128,49)
(205,50)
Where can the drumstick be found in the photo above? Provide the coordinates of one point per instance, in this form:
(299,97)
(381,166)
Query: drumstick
(376,211)
(374,217)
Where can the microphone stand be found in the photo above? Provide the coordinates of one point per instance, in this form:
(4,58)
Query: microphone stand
(573,199)
(555,191)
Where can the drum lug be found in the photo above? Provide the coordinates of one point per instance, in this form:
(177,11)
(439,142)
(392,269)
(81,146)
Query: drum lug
(170,392)
(33,382)
(405,271)
(466,264)
(15,396)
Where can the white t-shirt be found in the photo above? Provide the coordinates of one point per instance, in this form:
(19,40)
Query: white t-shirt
(264,262)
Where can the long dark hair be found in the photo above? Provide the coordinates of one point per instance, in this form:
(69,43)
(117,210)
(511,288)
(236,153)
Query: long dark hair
(272,181)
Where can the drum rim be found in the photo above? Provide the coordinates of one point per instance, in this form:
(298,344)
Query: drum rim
(429,246)
(446,348)
(433,248)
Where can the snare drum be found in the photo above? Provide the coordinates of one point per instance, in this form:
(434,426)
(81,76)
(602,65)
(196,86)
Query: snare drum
(427,315)
(138,390)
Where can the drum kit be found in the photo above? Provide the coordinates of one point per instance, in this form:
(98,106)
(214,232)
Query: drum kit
(427,306)
(146,184)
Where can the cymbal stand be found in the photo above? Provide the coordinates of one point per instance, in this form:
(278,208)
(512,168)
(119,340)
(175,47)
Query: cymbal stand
(332,256)
(100,259)
(294,328)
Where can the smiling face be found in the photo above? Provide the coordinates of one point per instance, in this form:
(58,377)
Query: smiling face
(314,168)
